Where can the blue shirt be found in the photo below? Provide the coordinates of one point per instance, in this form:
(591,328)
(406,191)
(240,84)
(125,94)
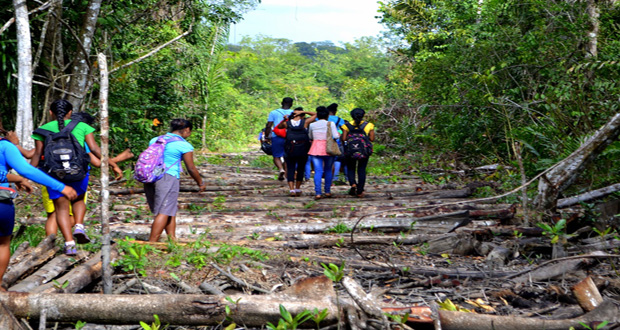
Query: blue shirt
(173,154)
(11,158)
(276,116)
(336,120)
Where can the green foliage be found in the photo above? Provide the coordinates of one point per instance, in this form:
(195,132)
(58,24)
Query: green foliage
(334,272)
(156,325)
(555,232)
(134,257)
(288,321)
(79,325)
(339,228)
(33,234)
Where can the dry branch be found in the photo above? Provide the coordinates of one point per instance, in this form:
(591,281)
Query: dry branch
(607,311)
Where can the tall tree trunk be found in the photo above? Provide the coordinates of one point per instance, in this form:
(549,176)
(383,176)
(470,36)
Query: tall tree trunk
(24,124)
(593,14)
(81,66)
(105,175)
(565,172)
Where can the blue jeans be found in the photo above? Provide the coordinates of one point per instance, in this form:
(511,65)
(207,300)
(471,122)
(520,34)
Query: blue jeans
(308,170)
(322,164)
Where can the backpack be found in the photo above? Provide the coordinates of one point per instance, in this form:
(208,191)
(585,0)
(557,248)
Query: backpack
(358,144)
(150,166)
(64,158)
(297,141)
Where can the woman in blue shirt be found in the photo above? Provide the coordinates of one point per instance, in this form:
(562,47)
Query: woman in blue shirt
(11,158)
(162,196)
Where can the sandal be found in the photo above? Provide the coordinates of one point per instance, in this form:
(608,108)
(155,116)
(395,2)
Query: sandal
(317,197)
(327,195)
(281,176)
(360,195)
(293,193)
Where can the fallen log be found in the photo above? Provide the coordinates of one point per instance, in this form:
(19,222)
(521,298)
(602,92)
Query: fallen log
(78,278)
(177,309)
(43,252)
(8,321)
(557,267)
(46,273)
(363,300)
(450,320)
(588,196)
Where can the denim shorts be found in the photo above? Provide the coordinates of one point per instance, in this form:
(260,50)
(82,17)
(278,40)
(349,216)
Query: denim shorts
(277,146)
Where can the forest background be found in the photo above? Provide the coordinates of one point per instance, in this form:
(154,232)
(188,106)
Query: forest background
(452,84)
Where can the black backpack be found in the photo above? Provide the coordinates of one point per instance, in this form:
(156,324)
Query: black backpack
(63,156)
(358,145)
(297,141)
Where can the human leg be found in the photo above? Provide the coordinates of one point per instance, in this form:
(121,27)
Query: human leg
(361,173)
(171,228)
(7,222)
(165,205)
(317,163)
(5,256)
(277,147)
(160,223)
(337,164)
(328,163)
(351,176)
(308,170)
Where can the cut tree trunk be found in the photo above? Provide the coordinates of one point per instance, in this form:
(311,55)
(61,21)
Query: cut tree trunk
(43,252)
(184,309)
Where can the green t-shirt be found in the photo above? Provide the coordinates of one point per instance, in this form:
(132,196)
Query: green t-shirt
(80,131)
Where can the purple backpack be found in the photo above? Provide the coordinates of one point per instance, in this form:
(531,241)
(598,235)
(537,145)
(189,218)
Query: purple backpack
(150,166)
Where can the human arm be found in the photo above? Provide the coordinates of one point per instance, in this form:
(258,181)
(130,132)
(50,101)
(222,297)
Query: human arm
(267,135)
(89,139)
(12,136)
(344,135)
(188,159)
(38,151)
(15,161)
(310,120)
(21,182)
(371,135)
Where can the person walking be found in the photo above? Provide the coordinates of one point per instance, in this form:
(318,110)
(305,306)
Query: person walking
(83,134)
(277,143)
(338,161)
(11,158)
(358,138)
(321,161)
(162,195)
(296,147)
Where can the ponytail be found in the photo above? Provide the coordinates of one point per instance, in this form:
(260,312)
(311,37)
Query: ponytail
(60,108)
(357,114)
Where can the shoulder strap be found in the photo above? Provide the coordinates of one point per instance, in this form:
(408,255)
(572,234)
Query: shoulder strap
(71,125)
(43,132)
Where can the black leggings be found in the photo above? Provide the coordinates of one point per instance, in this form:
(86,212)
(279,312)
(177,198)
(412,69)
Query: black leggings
(295,164)
(357,166)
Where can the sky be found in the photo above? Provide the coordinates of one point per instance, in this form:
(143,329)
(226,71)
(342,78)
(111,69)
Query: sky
(310,20)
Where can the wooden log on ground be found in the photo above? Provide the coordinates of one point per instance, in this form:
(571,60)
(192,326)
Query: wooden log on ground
(555,269)
(587,294)
(183,309)
(450,320)
(79,277)
(47,273)
(8,321)
(588,196)
(20,252)
(43,252)
(363,300)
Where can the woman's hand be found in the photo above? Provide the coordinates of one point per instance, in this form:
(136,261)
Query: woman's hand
(24,185)
(69,193)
